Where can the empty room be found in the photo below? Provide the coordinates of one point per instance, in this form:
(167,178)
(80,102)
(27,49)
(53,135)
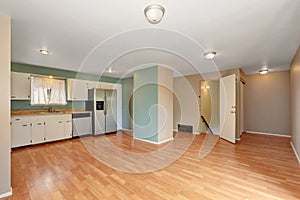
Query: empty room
(149,99)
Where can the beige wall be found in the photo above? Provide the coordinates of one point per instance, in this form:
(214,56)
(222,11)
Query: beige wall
(186,107)
(165,102)
(5,185)
(267,103)
(295,101)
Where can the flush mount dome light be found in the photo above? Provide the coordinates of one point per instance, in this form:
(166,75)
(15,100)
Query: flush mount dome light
(109,70)
(44,51)
(263,71)
(154,13)
(210,55)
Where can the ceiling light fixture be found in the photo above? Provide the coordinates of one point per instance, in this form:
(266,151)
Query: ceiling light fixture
(210,55)
(154,13)
(44,51)
(109,70)
(263,71)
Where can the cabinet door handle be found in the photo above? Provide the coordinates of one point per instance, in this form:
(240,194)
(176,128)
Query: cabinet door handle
(39,124)
(24,125)
(13,97)
(17,119)
(60,122)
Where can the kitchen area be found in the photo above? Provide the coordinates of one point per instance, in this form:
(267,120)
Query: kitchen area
(47,108)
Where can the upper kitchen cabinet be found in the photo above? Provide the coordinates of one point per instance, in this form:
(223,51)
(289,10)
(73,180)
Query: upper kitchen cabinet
(20,86)
(100,85)
(77,89)
(103,85)
(92,84)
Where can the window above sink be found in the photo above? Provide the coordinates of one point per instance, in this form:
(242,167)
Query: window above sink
(47,91)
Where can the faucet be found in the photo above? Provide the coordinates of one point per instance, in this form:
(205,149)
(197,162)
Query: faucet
(49,109)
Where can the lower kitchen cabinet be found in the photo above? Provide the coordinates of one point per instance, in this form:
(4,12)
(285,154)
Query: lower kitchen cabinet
(68,128)
(40,128)
(38,134)
(55,128)
(20,132)
(58,127)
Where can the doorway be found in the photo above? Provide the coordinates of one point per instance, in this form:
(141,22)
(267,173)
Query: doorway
(210,106)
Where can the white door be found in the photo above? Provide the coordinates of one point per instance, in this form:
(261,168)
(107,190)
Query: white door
(228,108)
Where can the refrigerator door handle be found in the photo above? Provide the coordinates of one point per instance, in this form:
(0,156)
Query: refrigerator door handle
(105,107)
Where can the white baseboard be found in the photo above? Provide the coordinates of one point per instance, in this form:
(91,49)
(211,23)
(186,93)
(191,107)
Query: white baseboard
(126,129)
(272,134)
(9,193)
(167,140)
(196,133)
(298,158)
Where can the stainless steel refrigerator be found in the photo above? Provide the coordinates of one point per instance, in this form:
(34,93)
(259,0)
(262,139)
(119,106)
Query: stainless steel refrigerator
(103,104)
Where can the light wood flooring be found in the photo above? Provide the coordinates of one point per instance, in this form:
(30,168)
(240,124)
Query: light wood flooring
(258,167)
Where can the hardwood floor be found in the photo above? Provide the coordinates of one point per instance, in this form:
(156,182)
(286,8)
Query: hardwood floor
(258,167)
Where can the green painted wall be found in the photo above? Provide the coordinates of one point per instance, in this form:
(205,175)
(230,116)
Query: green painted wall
(25,105)
(145,98)
(127,87)
(25,68)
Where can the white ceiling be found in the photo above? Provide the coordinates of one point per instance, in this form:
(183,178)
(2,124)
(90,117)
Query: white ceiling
(89,36)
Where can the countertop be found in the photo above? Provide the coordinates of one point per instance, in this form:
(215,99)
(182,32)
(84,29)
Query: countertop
(15,113)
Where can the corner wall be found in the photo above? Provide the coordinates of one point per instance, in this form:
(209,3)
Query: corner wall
(5,41)
(267,103)
(295,101)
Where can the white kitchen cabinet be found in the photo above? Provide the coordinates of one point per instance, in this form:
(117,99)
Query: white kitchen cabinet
(68,128)
(104,85)
(26,130)
(38,134)
(54,127)
(77,89)
(20,86)
(20,131)
(92,84)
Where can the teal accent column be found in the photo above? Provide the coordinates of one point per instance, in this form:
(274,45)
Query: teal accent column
(145,100)
(127,87)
